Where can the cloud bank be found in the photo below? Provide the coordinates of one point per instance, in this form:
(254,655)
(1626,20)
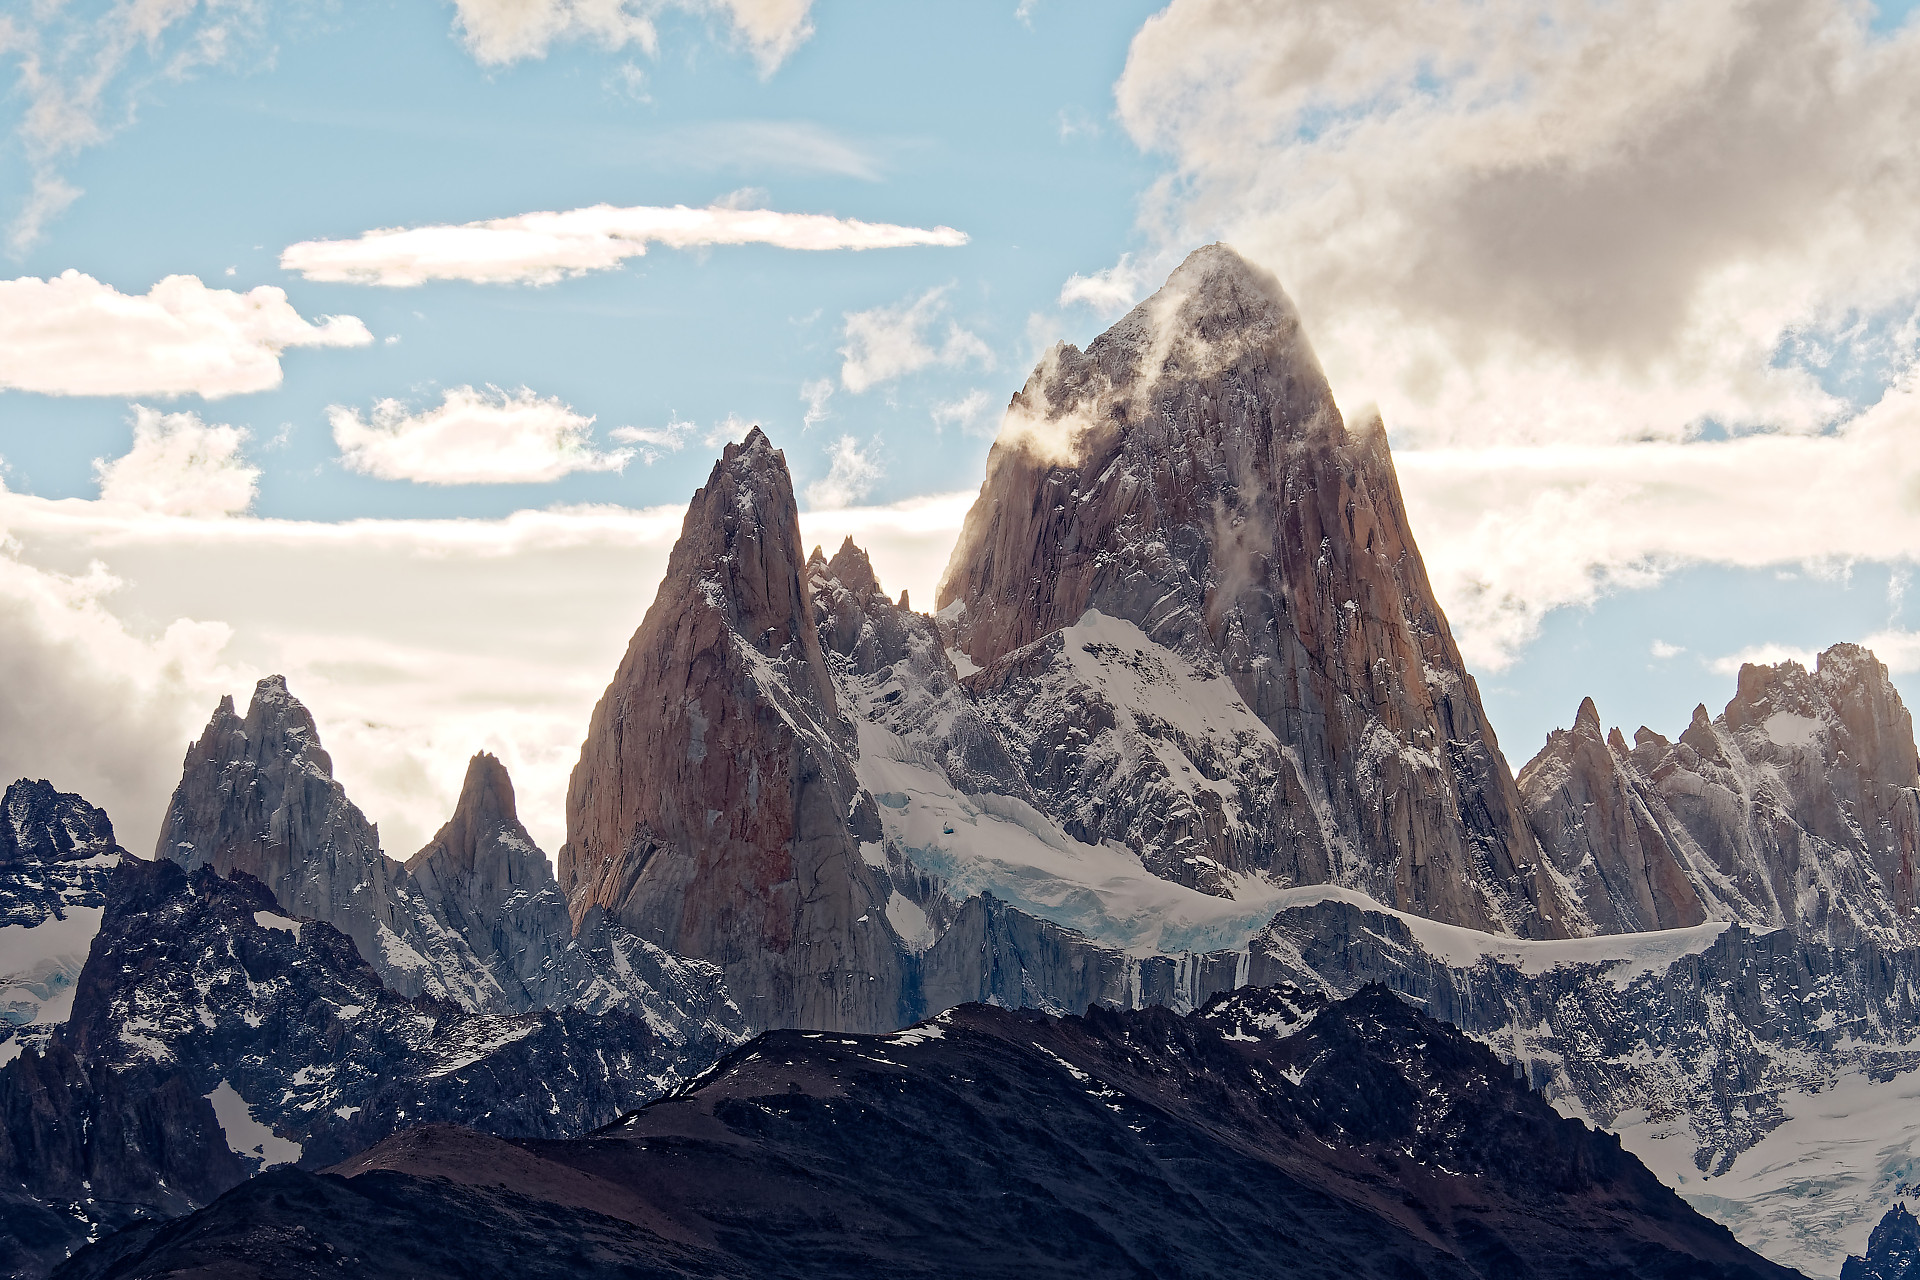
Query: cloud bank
(472,437)
(1568,249)
(74,336)
(540,248)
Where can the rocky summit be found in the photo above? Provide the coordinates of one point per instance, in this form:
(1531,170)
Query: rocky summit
(1797,807)
(1190,476)
(1272,1135)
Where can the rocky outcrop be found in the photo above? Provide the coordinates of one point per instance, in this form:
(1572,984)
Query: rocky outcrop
(483,878)
(1797,807)
(476,917)
(56,854)
(257,795)
(1603,834)
(212,1034)
(1190,478)
(714,810)
(1893,1251)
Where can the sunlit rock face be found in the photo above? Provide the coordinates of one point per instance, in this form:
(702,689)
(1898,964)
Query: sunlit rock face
(714,807)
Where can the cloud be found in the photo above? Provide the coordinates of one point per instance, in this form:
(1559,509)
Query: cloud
(816,394)
(763,146)
(890,342)
(415,642)
(972,413)
(1662,650)
(473,437)
(540,248)
(1114,290)
(78,70)
(1548,222)
(180,466)
(1763,655)
(1510,533)
(850,476)
(74,336)
(675,436)
(503,31)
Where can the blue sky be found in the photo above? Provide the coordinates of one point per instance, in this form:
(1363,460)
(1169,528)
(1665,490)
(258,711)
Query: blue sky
(1614,301)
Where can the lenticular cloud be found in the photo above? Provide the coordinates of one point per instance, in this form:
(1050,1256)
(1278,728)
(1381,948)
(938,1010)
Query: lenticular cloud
(539,248)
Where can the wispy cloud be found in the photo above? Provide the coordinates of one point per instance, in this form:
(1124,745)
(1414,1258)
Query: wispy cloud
(655,442)
(472,437)
(74,336)
(890,342)
(852,471)
(503,31)
(539,248)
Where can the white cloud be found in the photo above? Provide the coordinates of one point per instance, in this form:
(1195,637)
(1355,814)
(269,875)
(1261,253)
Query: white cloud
(816,394)
(851,473)
(472,437)
(1662,650)
(1548,221)
(74,336)
(1764,655)
(180,466)
(539,248)
(1512,533)
(677,434)
(1111,291)
(503,31)
(890,342)
(972,413)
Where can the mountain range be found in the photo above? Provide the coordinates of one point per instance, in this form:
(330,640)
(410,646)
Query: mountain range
(1186,740)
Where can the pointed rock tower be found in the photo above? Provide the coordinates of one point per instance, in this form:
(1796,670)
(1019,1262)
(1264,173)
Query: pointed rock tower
(1603,833)
(710,809)
(1190,475)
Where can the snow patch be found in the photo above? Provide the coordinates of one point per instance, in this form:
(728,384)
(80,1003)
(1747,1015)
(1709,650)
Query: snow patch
(274,920)
(246,1136)
(1790,730)
(910,922)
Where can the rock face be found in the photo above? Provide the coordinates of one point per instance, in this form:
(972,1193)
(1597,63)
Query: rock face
(1893,1252)
(1274,1135)
(257,795)
(1600,831)
(483,878)
(56,854)
(476,917)
(714,810)
(1797,807)
(1189,477)
(212,1034)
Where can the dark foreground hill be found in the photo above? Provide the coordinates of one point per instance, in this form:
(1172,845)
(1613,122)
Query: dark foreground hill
(1273,1134)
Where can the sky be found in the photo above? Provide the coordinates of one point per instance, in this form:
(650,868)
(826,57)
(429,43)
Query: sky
(381,344)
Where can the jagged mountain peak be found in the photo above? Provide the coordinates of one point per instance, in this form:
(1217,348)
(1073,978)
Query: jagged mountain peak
(851,567)
(1893,1250)
(1587,719)
(484,811)
(44,824)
